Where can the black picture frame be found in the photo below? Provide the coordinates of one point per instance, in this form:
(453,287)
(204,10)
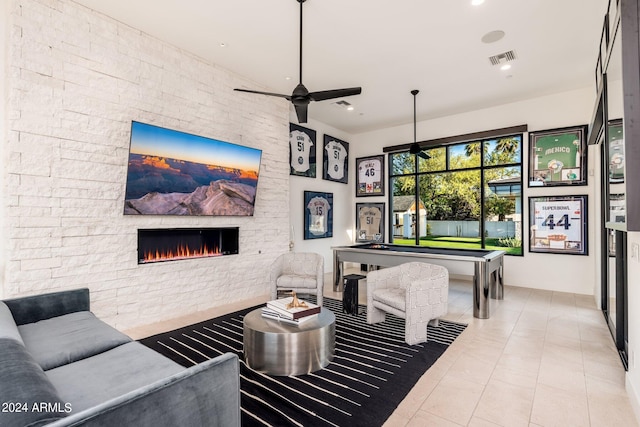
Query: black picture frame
(558,157)
(318,215)
(302,151)
(370,222)
(370,176)
(558,225)
(335,155)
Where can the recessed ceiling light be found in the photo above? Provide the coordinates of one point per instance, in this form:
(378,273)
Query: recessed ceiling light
(505,67)
(287,78)
(492,36)
(477,2)
(350,108)
(223,44)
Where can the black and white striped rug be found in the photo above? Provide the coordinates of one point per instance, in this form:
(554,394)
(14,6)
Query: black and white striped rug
(373,369)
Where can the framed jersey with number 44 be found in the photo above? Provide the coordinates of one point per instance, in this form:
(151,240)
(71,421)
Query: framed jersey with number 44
(558,224)
(370,176)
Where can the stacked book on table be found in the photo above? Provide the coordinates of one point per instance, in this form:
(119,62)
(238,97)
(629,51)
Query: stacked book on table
(278,310)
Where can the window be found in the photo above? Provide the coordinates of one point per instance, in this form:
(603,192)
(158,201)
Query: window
(466,195)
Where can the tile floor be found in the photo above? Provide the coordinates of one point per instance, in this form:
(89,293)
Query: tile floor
(542,359)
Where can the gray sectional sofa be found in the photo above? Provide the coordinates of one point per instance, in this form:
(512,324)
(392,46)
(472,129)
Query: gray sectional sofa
(62,366)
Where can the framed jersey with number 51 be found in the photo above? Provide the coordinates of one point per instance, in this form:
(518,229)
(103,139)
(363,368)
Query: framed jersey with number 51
(370,176)
(336,159)
(302,151)
(370,222)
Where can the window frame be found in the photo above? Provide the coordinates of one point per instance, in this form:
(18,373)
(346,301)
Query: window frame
(445,143)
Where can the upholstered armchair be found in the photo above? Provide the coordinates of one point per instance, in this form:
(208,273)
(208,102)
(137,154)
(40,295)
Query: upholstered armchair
(416,291)
(302,272)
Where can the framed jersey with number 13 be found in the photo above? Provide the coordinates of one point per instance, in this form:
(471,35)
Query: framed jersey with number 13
(370,176)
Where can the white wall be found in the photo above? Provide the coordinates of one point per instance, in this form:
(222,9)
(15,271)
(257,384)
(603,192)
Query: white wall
(567,273)
(76,80)
(343,211)
(633,299)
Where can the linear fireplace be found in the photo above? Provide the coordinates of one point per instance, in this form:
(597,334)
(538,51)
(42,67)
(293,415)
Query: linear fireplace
(172,244)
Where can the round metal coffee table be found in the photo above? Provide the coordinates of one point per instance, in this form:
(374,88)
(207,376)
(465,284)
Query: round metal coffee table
(279,348)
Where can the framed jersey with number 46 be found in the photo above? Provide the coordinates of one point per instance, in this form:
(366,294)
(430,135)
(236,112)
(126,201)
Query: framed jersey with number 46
(370,176)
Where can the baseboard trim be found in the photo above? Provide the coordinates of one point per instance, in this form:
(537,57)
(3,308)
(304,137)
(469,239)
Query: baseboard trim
(633,397)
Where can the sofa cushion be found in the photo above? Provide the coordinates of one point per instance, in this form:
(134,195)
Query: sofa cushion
(91,381)
(27,396)
(66,339)
(8,328)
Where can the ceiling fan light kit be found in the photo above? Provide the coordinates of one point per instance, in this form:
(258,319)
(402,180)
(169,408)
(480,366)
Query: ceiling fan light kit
(415,147)
(301,97)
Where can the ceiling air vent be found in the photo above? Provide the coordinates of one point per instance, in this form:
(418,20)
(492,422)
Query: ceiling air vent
(502,58)
(342,104)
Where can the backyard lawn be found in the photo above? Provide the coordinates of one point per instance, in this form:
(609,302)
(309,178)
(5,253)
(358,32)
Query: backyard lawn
(459,243)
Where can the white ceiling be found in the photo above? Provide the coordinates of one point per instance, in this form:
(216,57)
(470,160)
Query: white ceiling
(387,48)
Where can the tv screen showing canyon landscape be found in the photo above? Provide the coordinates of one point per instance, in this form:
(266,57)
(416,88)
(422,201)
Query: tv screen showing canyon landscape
(176,173)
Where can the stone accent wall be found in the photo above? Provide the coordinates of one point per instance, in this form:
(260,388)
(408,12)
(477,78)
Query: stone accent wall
(76,79)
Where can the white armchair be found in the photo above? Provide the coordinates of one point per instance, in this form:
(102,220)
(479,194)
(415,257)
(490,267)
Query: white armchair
(302,272)
(416,291)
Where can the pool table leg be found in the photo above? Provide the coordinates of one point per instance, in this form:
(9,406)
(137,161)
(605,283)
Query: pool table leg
(497,281)
(338,273)
(481,282)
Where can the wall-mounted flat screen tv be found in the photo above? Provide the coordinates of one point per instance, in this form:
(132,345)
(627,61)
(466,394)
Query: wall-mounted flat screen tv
(176,173)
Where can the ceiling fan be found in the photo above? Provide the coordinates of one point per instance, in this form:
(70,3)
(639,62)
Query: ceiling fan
(415,147)
(301,97)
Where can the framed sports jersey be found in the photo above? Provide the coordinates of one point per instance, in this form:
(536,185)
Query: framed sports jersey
(558,157)
(335,156)
(370,176)
(558,224)
(318,215)
(302,151)
(370,222)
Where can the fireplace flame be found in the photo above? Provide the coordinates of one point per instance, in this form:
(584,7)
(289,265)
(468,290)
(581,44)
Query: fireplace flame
(181,252)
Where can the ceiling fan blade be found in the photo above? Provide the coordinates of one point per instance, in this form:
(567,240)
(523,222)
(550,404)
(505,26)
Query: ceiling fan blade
(301,112)
(424,155)
(335,93)
(300,98)
(279,95)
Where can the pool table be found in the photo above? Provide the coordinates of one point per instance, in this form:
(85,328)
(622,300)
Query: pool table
(486,266)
